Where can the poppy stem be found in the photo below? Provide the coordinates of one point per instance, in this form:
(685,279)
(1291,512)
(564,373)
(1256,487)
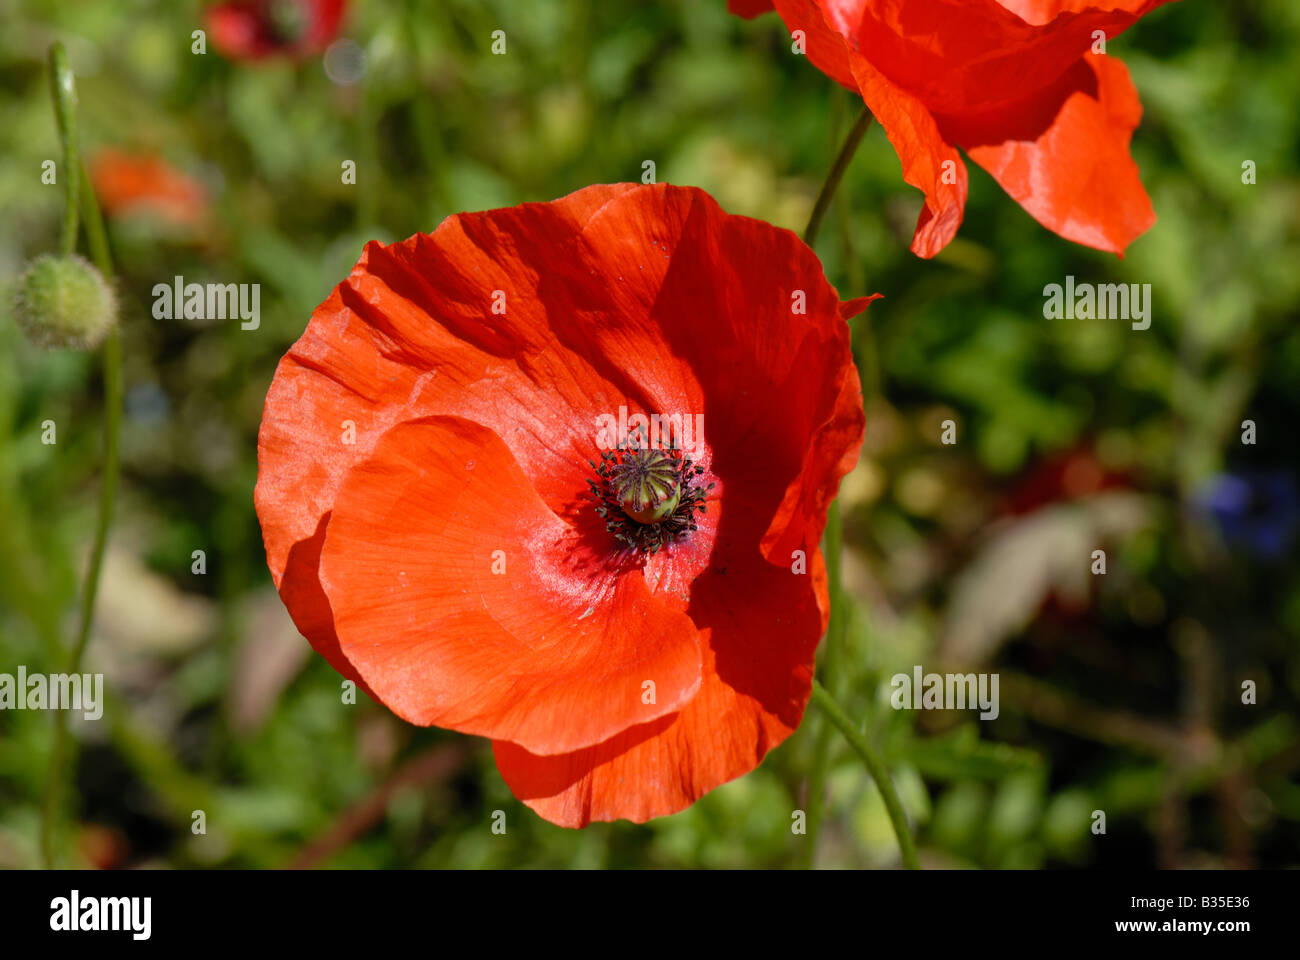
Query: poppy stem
(63,751)
(836,175)
(876,767)
(64,90)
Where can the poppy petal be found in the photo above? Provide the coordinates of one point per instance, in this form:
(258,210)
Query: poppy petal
(801,518)
(748,336)
(930,163)
(309,607)
(466,603)
(957,55)
(1045,11)
(824,46)
(1076,177)
(374,355)
(757,679)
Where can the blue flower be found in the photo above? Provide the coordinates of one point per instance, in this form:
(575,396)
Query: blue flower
(1258,511)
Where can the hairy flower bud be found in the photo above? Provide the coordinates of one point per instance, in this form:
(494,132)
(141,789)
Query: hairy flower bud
(63,301)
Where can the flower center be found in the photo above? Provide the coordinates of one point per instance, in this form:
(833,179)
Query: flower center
(647,485)
(647,498)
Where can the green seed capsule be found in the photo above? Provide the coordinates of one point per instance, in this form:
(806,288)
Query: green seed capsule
(63,301)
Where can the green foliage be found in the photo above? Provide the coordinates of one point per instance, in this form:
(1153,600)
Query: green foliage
(1130,702)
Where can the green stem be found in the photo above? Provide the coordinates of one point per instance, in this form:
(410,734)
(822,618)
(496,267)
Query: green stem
(876,767)
(835,176)
(63,751)
(816,800)
(96,235)
(64,90)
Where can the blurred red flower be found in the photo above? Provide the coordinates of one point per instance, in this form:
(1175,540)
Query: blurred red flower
(1069,475)
(446,526)
(1020,85)
(143,183)
(257,29)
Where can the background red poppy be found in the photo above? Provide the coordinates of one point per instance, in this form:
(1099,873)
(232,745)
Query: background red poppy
(1019,85)
(144,184)
(258,29)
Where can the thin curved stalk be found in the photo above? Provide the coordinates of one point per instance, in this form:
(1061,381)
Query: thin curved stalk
(79,188)
(876,767)
(836,174)
(63,88)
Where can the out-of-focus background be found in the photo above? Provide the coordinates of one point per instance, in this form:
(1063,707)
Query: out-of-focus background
(1120,693)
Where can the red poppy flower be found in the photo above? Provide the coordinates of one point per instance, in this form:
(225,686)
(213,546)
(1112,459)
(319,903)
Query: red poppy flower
(257,29)
(1014,83)
(1071,475)
(453,520)
(142,183)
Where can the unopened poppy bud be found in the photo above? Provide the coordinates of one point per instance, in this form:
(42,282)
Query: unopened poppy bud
(63,301)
